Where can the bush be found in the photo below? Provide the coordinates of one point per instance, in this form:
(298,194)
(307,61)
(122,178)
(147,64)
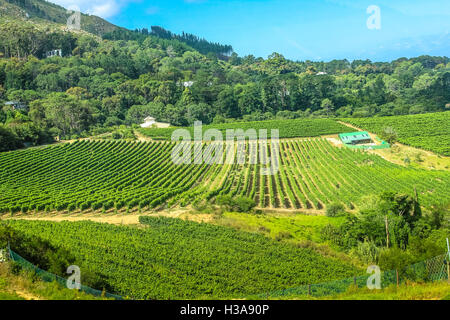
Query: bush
(335,210)
(394,259)
(239,204)
(389,135)
(244,204)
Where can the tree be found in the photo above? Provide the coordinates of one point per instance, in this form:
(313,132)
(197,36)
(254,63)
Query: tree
(67,113)
(137,113)
(199,112)
(327,105)
(389,135)
(226,103)
(8,140)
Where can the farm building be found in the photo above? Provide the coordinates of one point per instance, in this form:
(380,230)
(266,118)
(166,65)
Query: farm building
(151,122)
(148,122)
(353,138)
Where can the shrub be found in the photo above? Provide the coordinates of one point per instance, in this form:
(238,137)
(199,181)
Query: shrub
(239,204)
(389,135)
(394,258)
(244,204)
(335,210)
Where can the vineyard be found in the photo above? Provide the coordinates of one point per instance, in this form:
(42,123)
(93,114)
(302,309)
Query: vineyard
(121,176)
(287,128)
(426,131)
(176,259)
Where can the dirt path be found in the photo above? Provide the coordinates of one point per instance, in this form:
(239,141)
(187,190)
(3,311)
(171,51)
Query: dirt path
(26,295)
(119,219)
(133,218)
(116,219)
(350,126)
(141,137)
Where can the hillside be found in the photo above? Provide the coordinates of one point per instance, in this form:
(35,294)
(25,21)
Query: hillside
(175,259)
(41,10)
(425,131)
(82,183)
(127,176)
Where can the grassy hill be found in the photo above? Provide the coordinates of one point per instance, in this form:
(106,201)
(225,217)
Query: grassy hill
(106,175)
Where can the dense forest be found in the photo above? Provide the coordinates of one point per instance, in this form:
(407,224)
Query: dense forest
(99,83)
(201,45)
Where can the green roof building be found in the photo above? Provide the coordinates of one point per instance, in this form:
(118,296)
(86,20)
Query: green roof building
(353,138)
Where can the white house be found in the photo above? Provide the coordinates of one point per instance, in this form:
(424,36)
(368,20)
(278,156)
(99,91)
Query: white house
(54,53)
(188,84)
(148,122)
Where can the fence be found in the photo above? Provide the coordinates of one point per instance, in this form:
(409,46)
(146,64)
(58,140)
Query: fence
(434,269)
(50,277)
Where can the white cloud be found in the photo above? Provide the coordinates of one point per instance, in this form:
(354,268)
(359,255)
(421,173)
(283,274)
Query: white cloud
(101,8)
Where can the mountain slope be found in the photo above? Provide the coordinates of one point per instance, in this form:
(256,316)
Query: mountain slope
(37,10)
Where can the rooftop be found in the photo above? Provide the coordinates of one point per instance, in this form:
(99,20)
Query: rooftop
(355,136)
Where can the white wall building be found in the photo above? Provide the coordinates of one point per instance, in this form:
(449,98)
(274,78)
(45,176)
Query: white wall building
(148,122)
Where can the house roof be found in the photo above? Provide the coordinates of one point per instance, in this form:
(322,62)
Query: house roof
(354,136)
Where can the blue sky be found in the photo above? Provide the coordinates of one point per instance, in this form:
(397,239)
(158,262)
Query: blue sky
(298,29)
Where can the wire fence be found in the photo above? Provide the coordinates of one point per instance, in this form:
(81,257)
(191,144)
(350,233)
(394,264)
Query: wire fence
(50,277)
(434,269)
